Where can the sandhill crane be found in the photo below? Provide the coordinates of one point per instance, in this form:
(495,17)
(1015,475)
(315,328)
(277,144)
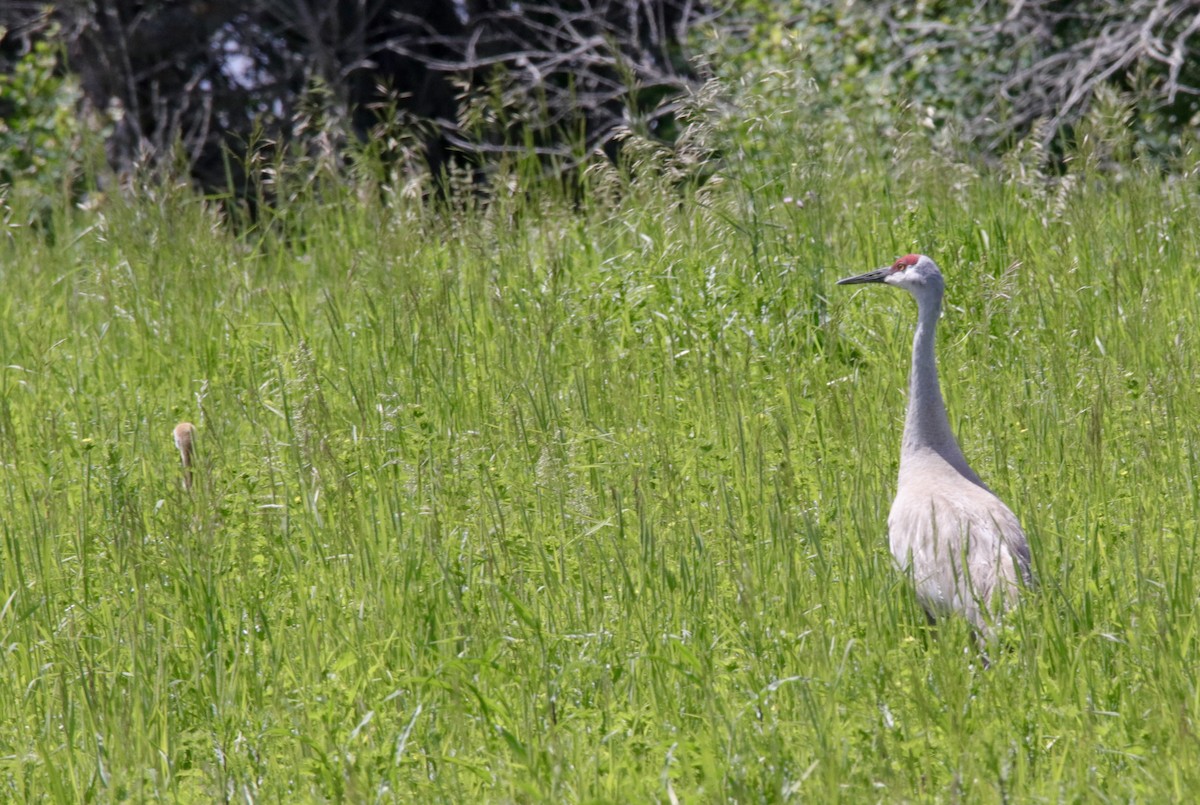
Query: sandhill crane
(962,547)
(185,438)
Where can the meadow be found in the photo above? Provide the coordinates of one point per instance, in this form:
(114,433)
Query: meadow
(528,497)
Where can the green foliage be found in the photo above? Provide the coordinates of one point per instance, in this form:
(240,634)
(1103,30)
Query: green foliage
(537,498)
(865,66)
(43,138)
(985,76)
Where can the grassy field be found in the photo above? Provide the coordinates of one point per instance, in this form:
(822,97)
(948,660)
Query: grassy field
(538,501)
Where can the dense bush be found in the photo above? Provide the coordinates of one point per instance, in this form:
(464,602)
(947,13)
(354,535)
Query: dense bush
(44,143)
(230,91)
(991,74)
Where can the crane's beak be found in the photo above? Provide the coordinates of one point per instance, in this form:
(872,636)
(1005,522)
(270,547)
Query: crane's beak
(871,276)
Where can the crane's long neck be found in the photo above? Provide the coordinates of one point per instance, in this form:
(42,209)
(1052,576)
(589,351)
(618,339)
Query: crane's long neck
(926,426)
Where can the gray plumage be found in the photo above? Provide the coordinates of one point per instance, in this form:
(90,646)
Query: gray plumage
(962,547)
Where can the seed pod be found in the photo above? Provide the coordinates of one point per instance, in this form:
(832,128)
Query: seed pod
(185,437)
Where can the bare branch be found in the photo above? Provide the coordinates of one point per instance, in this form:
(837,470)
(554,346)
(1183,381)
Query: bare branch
(213,75)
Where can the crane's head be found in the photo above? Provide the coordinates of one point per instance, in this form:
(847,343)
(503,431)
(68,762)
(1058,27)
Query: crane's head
(915,273)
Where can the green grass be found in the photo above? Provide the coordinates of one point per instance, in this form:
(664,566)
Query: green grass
(534,501)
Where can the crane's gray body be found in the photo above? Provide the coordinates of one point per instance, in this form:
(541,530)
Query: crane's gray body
(962,547)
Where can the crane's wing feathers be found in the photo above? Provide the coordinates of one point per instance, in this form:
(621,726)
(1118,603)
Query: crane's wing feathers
(1015,541)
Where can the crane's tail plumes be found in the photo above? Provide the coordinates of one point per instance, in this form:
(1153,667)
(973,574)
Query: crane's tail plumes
(185,443)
